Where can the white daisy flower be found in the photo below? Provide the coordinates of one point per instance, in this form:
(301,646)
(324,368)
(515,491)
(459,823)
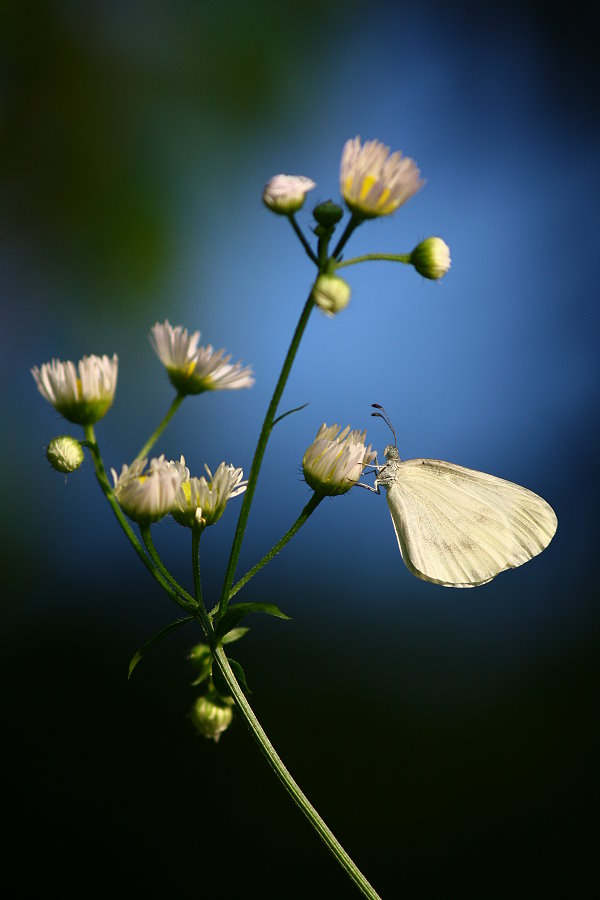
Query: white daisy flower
(285,194)
(431,258)
(147,496)
(201,501)
(192,369)
(83,394)
(374,182)
(334,461)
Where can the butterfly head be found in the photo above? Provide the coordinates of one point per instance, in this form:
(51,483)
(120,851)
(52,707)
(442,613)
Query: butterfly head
(391,453)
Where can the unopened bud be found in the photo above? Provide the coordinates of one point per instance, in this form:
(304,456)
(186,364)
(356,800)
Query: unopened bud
(331,294)
(211,716)
(285,194)
(431,258)
(64,453)
(328,213)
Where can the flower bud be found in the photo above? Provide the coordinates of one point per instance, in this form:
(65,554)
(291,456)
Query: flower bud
(64,453)
(331,294)
(211,715)
(431,258)
(328,213)
(285,194)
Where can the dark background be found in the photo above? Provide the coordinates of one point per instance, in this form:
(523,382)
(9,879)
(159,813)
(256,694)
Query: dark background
(449,738)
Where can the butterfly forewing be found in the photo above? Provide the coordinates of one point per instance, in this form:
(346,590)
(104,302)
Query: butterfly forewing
(459,527)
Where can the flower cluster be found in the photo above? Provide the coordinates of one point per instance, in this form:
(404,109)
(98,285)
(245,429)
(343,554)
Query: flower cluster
(335,460)
(146,495)
(192,369)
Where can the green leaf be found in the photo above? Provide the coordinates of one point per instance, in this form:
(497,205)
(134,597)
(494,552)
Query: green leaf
(234,635)
(240,675)
(219,682)
(221,685)
(155,639)
(239,611)
(288,413)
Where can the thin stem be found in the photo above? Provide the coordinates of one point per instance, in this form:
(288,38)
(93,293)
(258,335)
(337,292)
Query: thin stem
(306,512)
(196,535)
(161,427)
(353,223)
(149,545)
(259,453)
(276,763)
(108,493)
(367,257)
(302,239)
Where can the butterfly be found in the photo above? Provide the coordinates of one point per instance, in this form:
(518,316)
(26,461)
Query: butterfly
(459,527)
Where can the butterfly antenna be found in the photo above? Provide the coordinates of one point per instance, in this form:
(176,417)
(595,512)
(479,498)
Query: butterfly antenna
(383,415)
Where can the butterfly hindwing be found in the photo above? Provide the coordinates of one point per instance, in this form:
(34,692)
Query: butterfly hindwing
(458,527)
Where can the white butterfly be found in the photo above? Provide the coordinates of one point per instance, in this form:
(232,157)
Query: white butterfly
(458,527)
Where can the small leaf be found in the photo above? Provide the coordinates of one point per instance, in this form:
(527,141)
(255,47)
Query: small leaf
(288,413)
(240,675)
(234,635)
(239,611)
(219,682)
(221,685)
(155,639)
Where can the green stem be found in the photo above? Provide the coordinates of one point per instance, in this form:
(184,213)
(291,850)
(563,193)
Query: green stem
(203,616)
(288,782)
(196,535)
(161,427)
(306,512)
(302,239)
(352,225)
(108,493)
(367,257)
(149,545)
(259,453)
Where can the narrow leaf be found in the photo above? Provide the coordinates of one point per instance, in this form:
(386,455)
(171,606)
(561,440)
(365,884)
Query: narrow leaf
(288,413)
(234,635)
(239,611)
(155,639)
(240,675)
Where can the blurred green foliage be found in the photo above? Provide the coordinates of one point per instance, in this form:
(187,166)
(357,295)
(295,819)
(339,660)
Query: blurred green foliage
(109,111)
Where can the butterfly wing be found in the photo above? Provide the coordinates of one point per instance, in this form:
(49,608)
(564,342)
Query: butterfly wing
(459,528)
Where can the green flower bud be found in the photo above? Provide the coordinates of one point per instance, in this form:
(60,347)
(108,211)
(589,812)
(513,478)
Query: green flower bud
(64,453)
(201,658)
(431,258)
(331,294)
(328,213)
(211,715)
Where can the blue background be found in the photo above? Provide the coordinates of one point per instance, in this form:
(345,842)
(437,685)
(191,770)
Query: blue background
(448,737)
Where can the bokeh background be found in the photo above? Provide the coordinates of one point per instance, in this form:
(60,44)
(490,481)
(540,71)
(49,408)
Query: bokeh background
(450,738)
